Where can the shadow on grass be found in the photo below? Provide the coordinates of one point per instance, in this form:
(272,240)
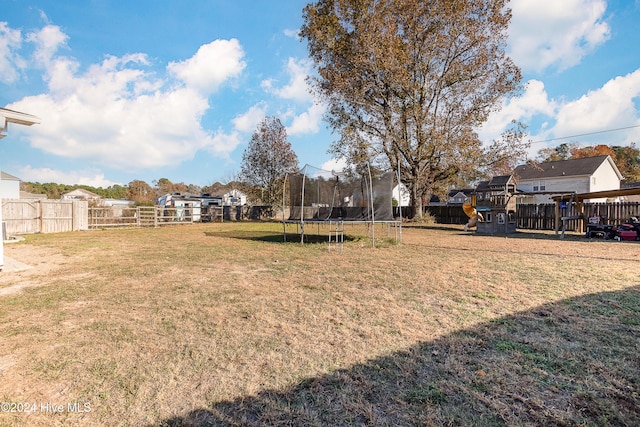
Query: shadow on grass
(519,234)
(273,237)
(573,362)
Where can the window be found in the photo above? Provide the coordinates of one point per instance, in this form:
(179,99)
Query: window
(535,188)
(487,217)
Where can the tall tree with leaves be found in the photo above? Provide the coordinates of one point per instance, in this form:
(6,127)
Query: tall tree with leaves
(561,152)
(410,80)
(140,192)
(267,159)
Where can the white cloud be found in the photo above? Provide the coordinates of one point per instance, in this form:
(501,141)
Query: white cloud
(212,65)
(337,165)
(297,89)
(307,122)
(224,143)
(119,114)
(248,121)
(47,41)
(610,107)
(10,61)
(81,177)
(534,101)
(293,33)
(546,33)
(613,106)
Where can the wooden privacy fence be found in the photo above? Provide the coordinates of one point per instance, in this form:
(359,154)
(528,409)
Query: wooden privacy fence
(43,216)
(447,214)
(542,216)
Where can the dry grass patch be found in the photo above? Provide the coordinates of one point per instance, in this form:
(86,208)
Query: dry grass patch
(223,324)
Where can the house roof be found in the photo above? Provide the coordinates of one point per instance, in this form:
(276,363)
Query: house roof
(482,185)
(12,116)
(498,181)
(465,191)
(7,177)
(572,167)
(81,193)
(495,183)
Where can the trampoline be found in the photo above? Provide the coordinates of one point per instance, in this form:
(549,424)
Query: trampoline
(331,199)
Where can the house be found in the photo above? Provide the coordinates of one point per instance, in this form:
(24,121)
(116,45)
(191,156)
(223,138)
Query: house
(186,207)
(457,197)
(234,198)
(583,175)
(400,194)
(118,206)
(454,197)
(496,203)
(9,186)
(80,194)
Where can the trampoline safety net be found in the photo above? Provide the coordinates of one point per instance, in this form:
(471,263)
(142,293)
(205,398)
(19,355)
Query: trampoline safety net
(320,195)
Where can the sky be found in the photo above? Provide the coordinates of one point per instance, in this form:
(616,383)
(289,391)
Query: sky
(151,89)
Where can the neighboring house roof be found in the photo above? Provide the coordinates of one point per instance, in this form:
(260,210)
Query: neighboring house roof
(80,193)
(630,185)
(497,182)
(465,191)
(7,177)
(573,167)
(118,202)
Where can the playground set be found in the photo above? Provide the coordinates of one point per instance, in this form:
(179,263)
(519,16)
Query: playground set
(492,210)
(492,206)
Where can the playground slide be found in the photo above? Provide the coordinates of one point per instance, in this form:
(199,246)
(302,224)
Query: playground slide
(471,212)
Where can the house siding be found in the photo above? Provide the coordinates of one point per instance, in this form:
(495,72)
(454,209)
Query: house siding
(578,184)
(604,178)
(9,189)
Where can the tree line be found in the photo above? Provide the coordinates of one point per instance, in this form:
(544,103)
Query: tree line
(138,191)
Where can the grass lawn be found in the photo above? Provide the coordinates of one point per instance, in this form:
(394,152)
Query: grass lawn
(224,324)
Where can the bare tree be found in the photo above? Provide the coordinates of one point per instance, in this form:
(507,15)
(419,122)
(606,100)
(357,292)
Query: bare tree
(267,159)
(409,81)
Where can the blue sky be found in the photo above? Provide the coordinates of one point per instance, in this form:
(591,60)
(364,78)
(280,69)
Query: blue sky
(151,89)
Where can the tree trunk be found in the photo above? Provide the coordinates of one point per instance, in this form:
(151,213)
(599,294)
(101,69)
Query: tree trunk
(416,203)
